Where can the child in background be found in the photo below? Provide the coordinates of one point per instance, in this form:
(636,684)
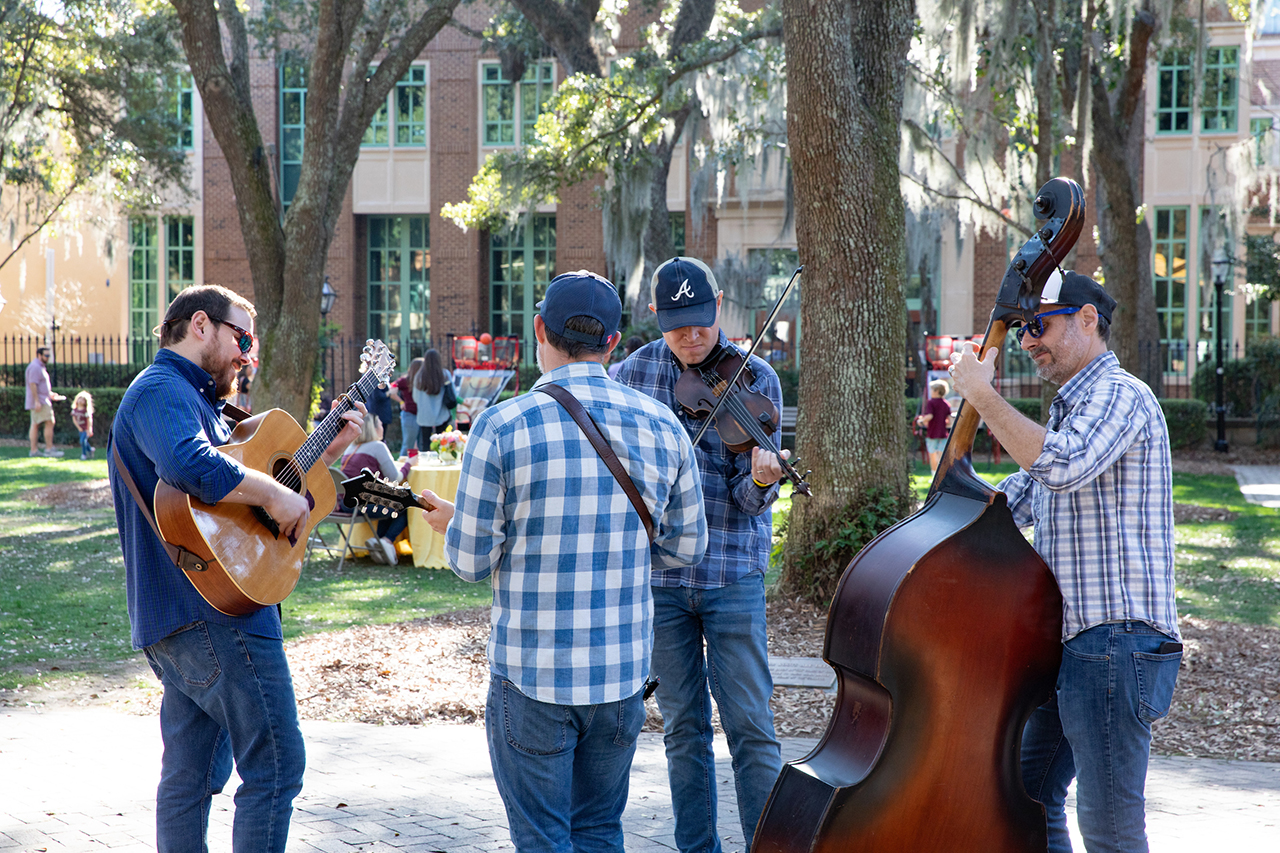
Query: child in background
(82,417)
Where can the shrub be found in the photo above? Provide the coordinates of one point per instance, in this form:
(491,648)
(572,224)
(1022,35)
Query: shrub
(15,422)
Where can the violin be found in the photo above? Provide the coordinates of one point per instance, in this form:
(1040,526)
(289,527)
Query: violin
(746,418)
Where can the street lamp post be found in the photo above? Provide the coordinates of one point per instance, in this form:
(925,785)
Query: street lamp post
(1221,266)
(327,297)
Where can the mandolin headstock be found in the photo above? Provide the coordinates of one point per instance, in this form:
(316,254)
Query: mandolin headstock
(380,495)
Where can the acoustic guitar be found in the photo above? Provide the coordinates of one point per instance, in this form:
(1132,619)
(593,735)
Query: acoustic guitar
(250,564)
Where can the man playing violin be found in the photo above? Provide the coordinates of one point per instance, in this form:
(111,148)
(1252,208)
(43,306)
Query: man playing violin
(721,599)
(1097,485)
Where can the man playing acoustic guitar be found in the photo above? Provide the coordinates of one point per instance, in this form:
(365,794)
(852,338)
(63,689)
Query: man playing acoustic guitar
(227,689)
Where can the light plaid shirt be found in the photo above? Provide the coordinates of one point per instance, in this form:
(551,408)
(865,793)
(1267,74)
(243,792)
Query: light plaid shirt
(540,515)
(1101,498)
(739,518)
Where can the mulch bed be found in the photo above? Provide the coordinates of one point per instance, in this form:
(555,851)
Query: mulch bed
(1227,703)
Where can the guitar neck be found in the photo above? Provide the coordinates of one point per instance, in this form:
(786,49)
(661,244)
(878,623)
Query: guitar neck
(313,448)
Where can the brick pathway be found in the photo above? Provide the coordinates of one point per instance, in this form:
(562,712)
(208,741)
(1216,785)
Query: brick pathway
(84,780)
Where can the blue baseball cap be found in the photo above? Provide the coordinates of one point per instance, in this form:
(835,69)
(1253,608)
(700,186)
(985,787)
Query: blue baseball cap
(684,292)
(581,294)
(1072,288)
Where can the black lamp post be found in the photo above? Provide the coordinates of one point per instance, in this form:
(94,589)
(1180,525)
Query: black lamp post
(327,297)
(1221,267)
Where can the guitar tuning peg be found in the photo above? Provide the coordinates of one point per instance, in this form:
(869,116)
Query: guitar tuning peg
(395,515)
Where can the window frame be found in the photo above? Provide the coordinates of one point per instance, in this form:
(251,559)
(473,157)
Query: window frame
(1176,64)
(506,118)
(1226,91)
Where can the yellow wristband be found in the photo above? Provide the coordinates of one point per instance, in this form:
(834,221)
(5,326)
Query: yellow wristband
(758,483)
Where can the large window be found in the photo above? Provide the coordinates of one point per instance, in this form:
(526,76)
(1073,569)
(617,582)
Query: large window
(1221,75)
(521,265)
(144,285)
(504,101)
(180,254)
(293,121)
(1173,102)
(152,286)
(183,101)
(409,98)
(400,284)
(1170,272)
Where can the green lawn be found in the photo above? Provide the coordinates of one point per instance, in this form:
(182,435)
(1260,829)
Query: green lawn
(62,600)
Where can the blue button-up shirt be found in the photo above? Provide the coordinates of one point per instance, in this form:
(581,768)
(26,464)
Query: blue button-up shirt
(1100,495)
(541,516)
(739,519)
(167,427)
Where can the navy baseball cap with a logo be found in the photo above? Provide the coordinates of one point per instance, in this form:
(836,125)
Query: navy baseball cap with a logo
(1072,288)
(581,294)
(684,293)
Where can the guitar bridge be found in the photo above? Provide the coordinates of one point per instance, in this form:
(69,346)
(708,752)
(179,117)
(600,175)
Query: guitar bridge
(267,521)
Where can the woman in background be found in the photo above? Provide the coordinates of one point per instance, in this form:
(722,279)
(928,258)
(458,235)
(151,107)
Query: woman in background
(428,394)
(370,451)
(402,392)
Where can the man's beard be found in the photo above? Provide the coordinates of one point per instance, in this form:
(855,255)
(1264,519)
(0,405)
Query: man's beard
(224,376)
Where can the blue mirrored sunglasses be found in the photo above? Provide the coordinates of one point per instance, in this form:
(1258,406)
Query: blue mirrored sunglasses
(246,338)
(1036,327)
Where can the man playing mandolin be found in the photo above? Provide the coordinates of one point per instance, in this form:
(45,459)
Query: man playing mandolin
(721,599)
(1097,485)
(228,694)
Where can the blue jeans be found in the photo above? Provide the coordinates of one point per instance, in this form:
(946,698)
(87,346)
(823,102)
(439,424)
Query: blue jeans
(85,448)
(227,694)
(408,431)
(1112,685)
(736,668)
(563,770)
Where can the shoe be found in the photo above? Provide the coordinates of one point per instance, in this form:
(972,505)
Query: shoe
(374,546)
(389,551)
(84,456)
(35,453)
(54,454)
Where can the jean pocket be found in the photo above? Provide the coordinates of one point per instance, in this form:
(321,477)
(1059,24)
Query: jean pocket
(1157,675)
(631,716)
(533,727)
(190,652)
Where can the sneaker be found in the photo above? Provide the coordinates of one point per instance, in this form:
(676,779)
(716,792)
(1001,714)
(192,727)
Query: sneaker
(374,546)
(35,453)
(389,551)
(84,456)
(54,453)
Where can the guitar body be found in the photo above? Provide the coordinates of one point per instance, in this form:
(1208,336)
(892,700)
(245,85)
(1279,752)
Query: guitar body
(249,567)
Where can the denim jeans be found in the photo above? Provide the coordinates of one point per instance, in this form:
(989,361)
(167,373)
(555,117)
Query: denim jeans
(1112,685)
(736,668)
(563,770)
(86,449)
(227,694)
(408,431)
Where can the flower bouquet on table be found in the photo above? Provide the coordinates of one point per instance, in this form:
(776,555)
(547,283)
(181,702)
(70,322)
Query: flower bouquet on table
(449,445)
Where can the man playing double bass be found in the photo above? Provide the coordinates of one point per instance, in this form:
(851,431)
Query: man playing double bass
(1096,482)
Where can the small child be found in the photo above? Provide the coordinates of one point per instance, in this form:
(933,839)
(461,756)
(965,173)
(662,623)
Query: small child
(82,416)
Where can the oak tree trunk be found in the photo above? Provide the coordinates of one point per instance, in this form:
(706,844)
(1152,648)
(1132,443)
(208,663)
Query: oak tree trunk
(846,63)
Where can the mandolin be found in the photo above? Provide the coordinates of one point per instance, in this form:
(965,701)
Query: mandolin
(248,563)
(380,496)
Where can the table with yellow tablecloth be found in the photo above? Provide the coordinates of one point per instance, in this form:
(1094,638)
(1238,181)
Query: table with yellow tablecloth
(428,546)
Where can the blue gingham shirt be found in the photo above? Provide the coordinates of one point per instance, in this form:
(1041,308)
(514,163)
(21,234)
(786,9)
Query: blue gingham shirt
(739,518)
(1101,498)
(167,427)
(541,516)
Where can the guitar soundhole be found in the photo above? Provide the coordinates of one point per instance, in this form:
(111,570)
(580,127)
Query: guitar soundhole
(286,472)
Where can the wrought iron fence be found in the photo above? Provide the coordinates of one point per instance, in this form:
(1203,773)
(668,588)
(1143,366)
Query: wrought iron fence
(77,361)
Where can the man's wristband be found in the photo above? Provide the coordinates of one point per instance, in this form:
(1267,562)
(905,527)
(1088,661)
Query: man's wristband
(760,484)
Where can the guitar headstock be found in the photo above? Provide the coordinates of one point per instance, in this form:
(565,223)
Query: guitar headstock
(378,360)
(373,491)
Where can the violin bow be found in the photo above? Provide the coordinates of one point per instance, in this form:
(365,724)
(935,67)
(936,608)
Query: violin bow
(768,321)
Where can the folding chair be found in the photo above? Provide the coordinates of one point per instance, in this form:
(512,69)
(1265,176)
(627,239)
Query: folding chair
(346,523)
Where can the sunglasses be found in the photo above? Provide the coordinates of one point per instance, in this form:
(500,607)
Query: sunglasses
(246,339)
(1036,327)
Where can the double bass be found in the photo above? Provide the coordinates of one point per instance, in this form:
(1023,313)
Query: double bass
(944,634)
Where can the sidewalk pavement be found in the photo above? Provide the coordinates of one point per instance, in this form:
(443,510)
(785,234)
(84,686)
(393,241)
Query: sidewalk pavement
(84,780)
(1260,484)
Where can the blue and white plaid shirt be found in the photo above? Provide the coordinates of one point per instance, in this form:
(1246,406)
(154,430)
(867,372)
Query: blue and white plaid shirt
(168,426)
(1101,497)
(739,519)
(539,513)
